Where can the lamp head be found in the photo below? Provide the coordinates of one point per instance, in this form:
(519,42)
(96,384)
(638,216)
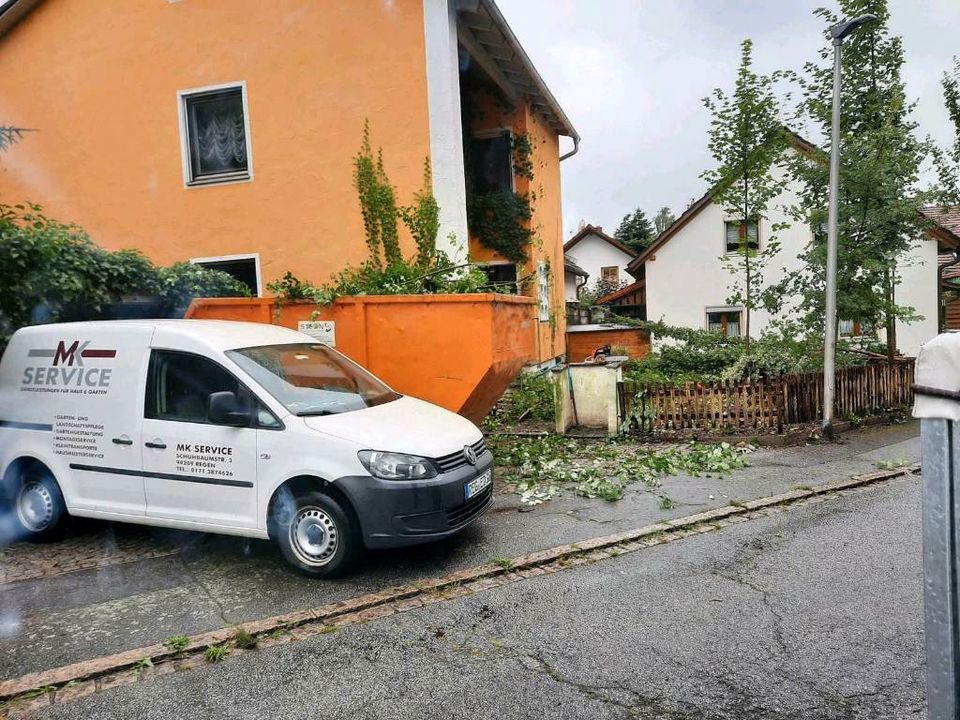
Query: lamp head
(839,31)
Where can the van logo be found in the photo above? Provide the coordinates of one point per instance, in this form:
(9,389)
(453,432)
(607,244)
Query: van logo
(470,455)
(72,355)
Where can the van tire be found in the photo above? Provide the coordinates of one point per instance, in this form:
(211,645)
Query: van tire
(318,536)
(36,504)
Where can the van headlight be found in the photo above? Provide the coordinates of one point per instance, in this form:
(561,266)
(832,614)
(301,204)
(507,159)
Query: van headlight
(396,466)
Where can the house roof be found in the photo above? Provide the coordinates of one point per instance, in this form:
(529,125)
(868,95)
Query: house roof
(617,294)
(796,142)
(571,267)
(946,223)
(588,230)
(483,30)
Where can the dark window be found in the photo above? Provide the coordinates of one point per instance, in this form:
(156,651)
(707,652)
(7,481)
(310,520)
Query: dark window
(243,269)
(503,275)
(179,385)
(492,164)
(725,322)
(740,235)
(216,136)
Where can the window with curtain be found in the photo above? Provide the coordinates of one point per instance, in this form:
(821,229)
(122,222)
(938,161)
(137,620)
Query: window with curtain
(741,235)
(216,140)
(610,274)
(725,322)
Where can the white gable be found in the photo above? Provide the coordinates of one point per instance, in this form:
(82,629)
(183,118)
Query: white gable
(592,253)
(685,276)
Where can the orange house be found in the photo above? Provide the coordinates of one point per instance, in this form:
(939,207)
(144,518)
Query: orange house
(223,131)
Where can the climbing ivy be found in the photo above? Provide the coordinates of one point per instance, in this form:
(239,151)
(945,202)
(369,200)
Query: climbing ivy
(378,202)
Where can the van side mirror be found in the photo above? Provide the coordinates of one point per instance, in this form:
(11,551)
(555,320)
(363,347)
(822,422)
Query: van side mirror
(223,408)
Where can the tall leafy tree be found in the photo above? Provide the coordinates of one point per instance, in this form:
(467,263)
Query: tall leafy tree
(663,219)
(747,142)
(948,162)
(880,156)
(635,230)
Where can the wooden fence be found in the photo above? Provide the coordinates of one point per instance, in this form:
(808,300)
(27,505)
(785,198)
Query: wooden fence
(765,404)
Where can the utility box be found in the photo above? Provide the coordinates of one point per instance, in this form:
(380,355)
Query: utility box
(586,395)
(937,404)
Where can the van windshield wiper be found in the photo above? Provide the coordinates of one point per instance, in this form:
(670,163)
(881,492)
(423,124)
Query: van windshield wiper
(314,413)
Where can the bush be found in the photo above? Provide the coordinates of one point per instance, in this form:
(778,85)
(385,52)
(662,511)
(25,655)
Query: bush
(529,398)
(53,272)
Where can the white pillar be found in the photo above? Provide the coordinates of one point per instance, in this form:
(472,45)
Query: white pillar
(446,137)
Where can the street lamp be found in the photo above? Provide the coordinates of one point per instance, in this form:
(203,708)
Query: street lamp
(838,32)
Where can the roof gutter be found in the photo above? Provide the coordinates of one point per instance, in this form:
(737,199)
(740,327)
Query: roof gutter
(576,148)
(13,12)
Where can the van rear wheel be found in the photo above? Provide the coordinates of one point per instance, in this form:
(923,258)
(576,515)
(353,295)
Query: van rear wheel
(38,508)
(317,535)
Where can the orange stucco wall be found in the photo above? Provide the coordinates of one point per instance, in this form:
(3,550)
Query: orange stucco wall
(458,351)
(546,220)
(98,83)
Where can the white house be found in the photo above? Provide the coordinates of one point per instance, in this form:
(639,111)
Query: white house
(599,255)
(687,285)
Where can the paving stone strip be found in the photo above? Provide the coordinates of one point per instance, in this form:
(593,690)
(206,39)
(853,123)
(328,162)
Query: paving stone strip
(26,694)
(25,561)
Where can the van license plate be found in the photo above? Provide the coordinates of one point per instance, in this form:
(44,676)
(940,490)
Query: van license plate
(477,485)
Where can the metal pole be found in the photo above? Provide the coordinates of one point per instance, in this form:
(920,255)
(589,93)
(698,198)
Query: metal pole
(830,324)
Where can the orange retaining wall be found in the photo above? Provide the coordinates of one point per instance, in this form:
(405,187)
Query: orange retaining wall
(457,351)
(582,344)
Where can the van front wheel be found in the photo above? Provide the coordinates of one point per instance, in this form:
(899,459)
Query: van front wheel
(38,507)
(318,536)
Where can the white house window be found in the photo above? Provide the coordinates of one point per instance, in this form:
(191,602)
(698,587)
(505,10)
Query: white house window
(610,274)
(726,321)
(740,235)
(215,135)
(543,290)
(849,328)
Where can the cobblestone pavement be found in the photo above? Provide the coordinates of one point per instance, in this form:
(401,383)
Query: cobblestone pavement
(93,546)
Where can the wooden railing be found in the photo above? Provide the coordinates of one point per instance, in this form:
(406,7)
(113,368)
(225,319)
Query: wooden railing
(764,405)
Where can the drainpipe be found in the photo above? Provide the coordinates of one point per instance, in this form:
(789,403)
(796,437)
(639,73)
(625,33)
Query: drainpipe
(941,310)
(576,148)
(581,286)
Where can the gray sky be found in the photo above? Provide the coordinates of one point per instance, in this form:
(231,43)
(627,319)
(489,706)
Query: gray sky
(631,74)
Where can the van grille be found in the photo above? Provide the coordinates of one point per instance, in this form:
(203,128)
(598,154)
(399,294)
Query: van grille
(470,509)
(455,460)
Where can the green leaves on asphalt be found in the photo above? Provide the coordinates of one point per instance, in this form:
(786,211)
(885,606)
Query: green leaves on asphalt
(541,468)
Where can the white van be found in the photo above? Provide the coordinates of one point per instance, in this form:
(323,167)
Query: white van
(237,428)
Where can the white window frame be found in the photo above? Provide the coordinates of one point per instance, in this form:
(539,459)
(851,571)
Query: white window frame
(497,132)
(736,220)
(182,97)
(723,309)
(232,258)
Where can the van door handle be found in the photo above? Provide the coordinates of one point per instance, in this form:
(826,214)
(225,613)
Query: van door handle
(122,441)
(156,445)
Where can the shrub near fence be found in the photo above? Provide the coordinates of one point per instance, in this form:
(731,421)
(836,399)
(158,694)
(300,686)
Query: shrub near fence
(766,405)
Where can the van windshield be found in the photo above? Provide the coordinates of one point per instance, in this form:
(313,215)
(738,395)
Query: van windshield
(312,379)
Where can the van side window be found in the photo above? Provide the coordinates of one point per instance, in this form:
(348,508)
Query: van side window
(179,384)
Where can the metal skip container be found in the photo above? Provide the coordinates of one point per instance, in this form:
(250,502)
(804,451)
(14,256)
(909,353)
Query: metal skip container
(937,404)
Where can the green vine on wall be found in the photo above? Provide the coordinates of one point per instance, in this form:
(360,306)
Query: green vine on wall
(378,203)
(501,219)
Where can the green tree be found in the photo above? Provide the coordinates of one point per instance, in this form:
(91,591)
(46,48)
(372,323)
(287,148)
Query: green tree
(663,219)
(747,141)
(635,231)
(948,162)
(880,157)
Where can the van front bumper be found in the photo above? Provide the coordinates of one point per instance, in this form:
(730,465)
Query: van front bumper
(398,513)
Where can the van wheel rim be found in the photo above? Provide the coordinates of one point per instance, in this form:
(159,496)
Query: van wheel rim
(35,506)
(314,536)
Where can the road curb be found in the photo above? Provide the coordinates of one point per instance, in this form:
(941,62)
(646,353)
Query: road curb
(29,692)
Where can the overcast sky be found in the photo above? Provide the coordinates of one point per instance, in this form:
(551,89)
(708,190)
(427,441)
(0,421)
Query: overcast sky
(630,74)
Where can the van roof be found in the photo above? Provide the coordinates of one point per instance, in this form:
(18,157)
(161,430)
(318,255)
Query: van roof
(218,334)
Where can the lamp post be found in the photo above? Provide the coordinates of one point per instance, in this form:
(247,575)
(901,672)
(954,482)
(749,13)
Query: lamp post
(838,32)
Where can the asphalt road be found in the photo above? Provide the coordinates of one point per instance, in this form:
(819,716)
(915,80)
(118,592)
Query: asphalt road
(209,581)
(814,612)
